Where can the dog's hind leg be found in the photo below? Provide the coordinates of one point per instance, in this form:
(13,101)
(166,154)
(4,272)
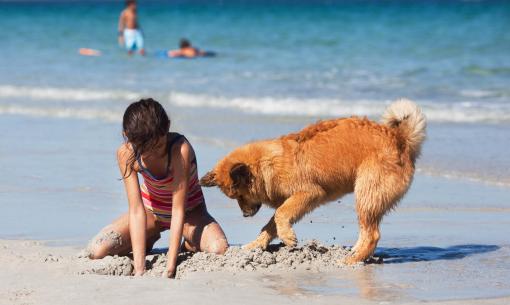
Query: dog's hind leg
(369,217)
(377,191)
(357,244)
(292,210)
(366,244)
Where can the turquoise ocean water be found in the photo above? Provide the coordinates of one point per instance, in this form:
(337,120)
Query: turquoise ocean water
(347,56)
(277,60)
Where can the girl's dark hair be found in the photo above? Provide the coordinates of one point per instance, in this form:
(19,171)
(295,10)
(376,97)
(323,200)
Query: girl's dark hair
(144,122)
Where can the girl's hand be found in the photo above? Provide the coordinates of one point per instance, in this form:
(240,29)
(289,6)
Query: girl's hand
(169,273)
(139,273)
(171,266)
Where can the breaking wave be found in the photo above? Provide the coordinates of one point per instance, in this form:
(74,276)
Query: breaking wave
(457,112)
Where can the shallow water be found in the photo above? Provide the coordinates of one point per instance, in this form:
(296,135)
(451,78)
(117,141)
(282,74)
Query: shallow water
(480,272)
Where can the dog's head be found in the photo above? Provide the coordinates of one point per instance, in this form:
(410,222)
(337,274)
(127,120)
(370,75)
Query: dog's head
(235,180)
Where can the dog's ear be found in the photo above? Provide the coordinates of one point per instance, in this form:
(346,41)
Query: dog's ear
(209,179)
(240,175)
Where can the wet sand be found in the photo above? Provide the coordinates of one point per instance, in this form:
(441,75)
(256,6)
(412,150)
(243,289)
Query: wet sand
(34,273)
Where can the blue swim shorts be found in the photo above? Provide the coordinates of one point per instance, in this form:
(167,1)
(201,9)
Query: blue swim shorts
(133,39)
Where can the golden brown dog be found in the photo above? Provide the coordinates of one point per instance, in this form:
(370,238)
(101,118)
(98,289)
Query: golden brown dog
(298,172)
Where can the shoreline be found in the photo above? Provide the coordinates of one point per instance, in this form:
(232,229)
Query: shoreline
(463,177)
(220,145)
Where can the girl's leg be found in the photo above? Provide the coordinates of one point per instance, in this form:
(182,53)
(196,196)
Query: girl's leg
(114,239)
(201,232)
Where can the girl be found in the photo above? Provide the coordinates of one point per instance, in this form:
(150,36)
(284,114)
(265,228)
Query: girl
(169,197)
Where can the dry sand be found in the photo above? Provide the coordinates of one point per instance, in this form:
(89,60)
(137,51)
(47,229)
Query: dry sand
(33,273)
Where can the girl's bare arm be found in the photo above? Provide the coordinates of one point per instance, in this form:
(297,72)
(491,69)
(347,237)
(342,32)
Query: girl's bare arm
(137,217)
(181,165)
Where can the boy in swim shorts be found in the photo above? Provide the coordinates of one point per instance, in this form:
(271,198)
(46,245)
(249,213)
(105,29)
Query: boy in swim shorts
(130,34)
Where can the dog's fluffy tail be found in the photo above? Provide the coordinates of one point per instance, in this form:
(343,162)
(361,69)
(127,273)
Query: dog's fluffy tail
(411,122)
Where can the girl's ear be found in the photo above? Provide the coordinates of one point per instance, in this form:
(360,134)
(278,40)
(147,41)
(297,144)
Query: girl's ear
(209,179)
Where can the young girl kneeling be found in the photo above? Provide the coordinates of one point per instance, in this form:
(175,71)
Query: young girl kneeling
(169,197)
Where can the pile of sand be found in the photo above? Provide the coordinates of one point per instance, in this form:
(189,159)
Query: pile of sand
(310,256)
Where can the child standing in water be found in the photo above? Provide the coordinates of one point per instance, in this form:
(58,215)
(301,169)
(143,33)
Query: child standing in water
(168,198)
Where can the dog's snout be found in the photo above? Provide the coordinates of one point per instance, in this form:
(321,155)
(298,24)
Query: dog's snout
(251,211)
(248,213)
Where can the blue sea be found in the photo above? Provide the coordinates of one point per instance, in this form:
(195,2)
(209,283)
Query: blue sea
(280,65)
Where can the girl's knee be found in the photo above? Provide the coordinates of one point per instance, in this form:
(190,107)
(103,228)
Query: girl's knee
(97,251)
(216,240)
(105,243)
(219,246)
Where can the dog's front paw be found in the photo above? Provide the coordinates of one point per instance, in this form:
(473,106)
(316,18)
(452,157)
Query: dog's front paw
(256,244)
(288,237)
(351,259)
(346,261)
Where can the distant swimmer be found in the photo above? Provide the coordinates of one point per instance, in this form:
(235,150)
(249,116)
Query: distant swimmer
(186,50)
(130,34)
(89,52)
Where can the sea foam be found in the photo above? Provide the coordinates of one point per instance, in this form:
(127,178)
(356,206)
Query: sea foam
(84,104)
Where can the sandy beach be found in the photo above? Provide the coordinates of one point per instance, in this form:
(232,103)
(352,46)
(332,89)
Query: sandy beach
(34,273)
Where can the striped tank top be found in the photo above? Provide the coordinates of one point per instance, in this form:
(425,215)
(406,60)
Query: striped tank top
(157,192)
